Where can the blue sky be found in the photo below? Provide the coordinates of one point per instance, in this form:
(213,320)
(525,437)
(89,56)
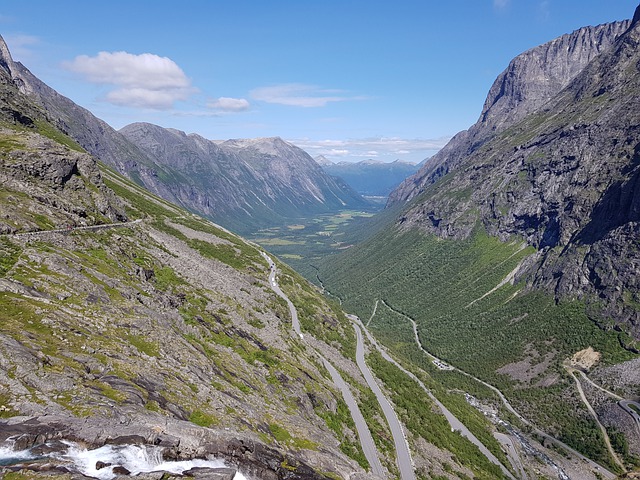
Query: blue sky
(350,79)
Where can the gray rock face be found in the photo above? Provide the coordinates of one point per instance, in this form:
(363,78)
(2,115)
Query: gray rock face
(565,177)
(537,75)
(531,79)
(57,180)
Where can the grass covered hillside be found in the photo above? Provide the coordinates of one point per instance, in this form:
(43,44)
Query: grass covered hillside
(123,314)
(515,261)
(470,313)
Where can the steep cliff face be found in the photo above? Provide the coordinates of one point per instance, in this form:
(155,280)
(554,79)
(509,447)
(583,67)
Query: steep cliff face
(565,178)
(243,184)
(531,79)
(537,75)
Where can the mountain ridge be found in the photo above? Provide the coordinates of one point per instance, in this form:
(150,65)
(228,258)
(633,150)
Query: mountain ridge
(249,212)
(245,184)
(530,80)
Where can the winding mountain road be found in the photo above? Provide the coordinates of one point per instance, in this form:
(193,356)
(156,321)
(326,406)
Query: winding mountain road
(366,440)
(451,418)
(403,455)
(594,415)
(92,228)
(593,465)
(295,322)
(628,405)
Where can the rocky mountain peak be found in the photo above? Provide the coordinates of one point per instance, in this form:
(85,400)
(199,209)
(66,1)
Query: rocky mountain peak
(529,82)
(322,160)
(272,146)
(636,16)
(535,76)
(6,62)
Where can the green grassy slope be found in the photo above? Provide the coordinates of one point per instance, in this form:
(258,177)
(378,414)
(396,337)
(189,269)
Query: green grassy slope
(171,316)
(444,286)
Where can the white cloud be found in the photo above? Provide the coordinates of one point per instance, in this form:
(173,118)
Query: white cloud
(227,104)
(501,4)
(299,95)
(337,152)
(145,80)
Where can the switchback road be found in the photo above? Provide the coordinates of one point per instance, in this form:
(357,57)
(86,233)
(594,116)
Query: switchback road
(453,421)
(91,228)
(593,465)
(366,440)
(404,462)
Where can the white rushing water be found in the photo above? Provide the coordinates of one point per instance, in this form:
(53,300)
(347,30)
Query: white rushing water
(9,455)
(135,458)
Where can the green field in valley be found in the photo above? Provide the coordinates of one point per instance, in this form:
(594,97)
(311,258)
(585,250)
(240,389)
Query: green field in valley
(305,243)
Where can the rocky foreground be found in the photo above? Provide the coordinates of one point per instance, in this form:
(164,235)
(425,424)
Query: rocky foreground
(177,441)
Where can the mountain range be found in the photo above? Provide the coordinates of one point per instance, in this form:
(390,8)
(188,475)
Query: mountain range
(514,250)
(242,185)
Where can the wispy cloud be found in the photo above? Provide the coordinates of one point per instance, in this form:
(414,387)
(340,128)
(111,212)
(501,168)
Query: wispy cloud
(226,104)
(145,80)
(300,95)
(377,147)
(544,10)
(501,4)
(20,45)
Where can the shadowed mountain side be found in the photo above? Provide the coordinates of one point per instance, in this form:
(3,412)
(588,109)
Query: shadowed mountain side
(242,186)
